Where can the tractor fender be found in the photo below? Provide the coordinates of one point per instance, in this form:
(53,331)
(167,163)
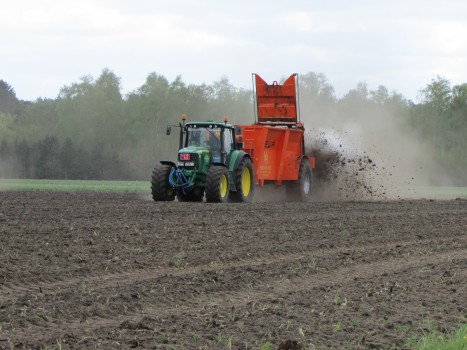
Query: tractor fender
(167,162)
(234,163)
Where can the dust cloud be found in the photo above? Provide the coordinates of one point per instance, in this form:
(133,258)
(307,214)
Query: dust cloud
(365,156)
(9,169)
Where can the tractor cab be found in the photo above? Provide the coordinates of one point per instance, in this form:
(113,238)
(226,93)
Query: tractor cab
(206,139)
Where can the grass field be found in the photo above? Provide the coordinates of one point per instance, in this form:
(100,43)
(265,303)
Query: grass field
(75,185)
(145,187)
(442,192)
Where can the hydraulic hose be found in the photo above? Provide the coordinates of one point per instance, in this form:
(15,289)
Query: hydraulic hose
(178,180)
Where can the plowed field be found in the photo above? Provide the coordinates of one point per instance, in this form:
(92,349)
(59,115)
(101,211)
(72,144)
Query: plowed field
(87,270)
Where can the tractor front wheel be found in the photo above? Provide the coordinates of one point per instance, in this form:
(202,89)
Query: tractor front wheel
(160,187)
(243,177)
(217,184)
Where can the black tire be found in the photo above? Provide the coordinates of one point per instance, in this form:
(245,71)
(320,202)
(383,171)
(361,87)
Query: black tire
(195,195)
(217,184)
(160,188)
(244,182)
(300,190)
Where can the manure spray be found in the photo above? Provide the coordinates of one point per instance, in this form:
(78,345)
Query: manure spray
(343,172)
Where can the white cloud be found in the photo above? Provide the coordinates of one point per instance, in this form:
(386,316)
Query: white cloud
(300,21)
(449,37)
(47,44)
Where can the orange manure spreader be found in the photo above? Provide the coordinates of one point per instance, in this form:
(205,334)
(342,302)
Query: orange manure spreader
(276,142)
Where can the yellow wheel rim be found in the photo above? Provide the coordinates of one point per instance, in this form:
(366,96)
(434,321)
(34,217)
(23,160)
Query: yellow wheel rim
(246,181)
(223,186)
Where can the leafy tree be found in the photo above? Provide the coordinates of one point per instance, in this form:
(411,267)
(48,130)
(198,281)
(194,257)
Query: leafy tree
(68,161)
(438,94)
(226,100)
(4,149)
(37,120)
(380,95)
(316,98)
(23,154)
(6,163)
(8,101)
(91,112)
(46,160)
(316,85)
(8,129)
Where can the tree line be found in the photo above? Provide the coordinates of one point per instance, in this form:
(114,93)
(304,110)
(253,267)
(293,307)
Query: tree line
(92,131)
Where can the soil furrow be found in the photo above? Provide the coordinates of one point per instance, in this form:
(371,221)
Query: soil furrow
(9,292)
(262,292)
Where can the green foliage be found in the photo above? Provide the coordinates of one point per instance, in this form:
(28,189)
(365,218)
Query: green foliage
(441,120)
(74,185)
(8,101)
(7,127)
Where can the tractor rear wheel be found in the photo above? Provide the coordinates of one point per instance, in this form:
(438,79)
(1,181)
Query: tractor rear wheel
(243,177)
(217,184)
(300,190)
(160,187)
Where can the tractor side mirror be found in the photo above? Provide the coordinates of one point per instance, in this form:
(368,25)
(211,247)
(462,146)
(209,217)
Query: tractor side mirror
(239,145)
(169,130)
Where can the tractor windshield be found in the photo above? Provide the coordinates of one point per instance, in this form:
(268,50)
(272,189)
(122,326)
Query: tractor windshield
(204,137)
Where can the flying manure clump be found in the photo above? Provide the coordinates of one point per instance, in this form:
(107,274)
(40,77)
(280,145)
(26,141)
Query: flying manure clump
(341,172)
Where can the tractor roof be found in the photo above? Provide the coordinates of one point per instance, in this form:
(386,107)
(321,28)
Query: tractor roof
(210,123)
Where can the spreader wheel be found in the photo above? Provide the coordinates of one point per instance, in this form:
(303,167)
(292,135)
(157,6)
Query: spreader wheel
(217,184)
(244,182)
(160,188)
(300,190)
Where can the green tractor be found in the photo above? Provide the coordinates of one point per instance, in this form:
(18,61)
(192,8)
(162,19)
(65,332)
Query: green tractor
(210,163)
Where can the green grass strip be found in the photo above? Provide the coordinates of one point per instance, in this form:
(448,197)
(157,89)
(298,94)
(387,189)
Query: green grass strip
(75,186)
(145,187)
(441,192)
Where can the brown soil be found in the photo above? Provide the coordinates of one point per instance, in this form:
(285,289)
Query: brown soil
(94,270)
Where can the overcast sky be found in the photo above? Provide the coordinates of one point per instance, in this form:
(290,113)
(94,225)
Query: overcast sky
(401,44)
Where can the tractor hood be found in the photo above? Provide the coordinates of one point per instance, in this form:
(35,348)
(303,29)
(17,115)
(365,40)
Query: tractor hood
(193,157)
